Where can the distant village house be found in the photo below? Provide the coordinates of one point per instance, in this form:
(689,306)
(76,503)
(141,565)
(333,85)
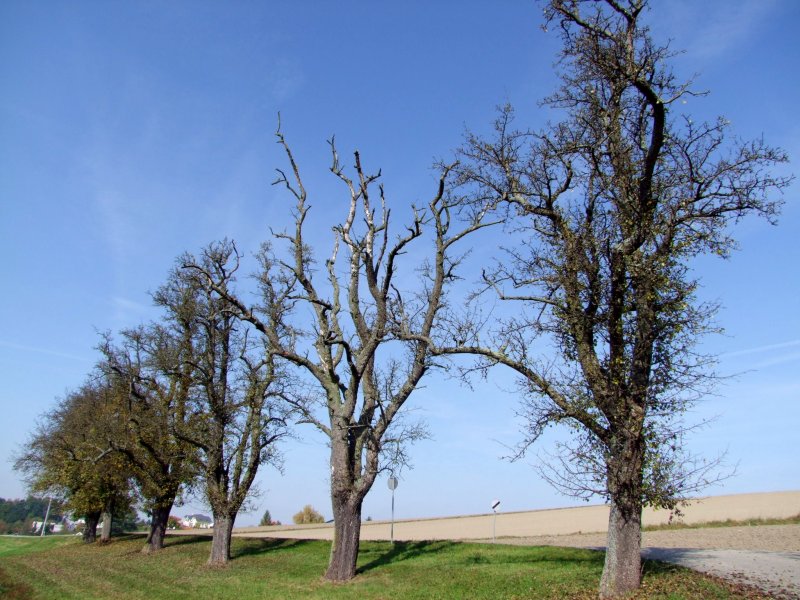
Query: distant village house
(197,522)
(36,527)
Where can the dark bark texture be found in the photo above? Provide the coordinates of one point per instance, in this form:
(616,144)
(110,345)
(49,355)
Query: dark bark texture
(90,527)
(158,528)
(346,540)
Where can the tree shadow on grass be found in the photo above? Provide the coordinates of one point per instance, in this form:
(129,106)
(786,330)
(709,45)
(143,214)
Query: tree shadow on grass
(561,555)
(257,546)
(184,540)
(514,555)
(402,551)
(132,544)
(126,537)
(475,554)
(171,541)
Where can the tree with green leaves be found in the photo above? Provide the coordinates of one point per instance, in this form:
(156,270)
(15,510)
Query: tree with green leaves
(606,209)
(68,457)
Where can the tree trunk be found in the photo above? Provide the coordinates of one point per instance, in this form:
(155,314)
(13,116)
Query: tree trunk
(346,539)
(105,533)
(622,571)
(221,542)
(158,528)
(90,527)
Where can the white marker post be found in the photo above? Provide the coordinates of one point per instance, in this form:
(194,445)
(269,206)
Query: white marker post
(392,486)
(495,504)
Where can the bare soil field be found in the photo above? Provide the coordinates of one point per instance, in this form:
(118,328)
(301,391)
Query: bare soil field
(559,522)
(765,538)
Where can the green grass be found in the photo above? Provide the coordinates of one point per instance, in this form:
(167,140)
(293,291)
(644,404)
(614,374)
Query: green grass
(288,569)
(795,520)
(16,545)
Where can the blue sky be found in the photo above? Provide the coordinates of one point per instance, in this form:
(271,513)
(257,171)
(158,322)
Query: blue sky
(133,131)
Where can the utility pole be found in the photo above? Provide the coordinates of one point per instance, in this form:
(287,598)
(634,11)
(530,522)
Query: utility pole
(46,516)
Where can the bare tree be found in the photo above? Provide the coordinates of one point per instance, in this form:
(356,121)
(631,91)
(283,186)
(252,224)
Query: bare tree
(360,372)
(609,207)
(235,417)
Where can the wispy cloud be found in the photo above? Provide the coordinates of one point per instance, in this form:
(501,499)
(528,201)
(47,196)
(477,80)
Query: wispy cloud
(285,79)
(131,305)
(769,355)
(46,351)
(708,31)
(778,360)
(118,227)
(762,349)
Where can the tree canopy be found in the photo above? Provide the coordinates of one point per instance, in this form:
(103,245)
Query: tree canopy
(606,209)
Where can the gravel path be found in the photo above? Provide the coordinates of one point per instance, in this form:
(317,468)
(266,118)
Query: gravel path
(766,556)
(777,573)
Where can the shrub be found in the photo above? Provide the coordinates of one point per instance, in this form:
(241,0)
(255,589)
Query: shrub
(308,515)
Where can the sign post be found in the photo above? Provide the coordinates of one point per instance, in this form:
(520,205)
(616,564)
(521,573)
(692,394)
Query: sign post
(392,486)
(495,504)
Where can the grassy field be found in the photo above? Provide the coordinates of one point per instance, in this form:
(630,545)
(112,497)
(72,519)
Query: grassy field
(726,523)
(61,568)
(27,544)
